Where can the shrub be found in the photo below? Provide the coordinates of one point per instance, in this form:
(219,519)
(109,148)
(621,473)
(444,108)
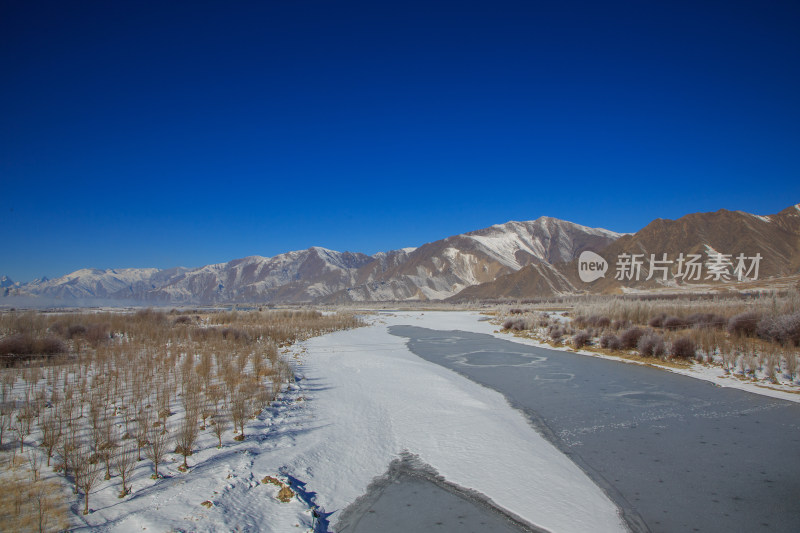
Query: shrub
(23,344)
(744,323)
(602,322)
(76,330)
(683,348)
(630,337)
(673,322)
(596,321)
(515,324)
(620,324)
(19,344)
(58,328)
(49,345)
(783,329)
(610,342)
(555,332)
(581,339)
(97,333)
(657,321)
(706,321)
(651,345)
(235,334)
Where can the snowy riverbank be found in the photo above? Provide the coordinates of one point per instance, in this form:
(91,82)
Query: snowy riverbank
(361,400)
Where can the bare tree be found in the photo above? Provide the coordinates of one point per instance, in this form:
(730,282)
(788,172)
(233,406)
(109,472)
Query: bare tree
(729,356)
(157,441)
(142,431)
(220,423)
(66,452)
(204,368)
(108,444)
(238,410)
(187,435)
(23,427)
(124,464)
(5,423)
(87,472)
(791,363)
(51,435)
(35,463)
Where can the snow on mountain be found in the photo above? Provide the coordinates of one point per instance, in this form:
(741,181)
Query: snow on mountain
(545,238)
(291,277)
(126,283)
(443,268)
(434,270)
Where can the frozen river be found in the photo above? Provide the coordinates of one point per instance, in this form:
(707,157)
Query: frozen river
(675,453)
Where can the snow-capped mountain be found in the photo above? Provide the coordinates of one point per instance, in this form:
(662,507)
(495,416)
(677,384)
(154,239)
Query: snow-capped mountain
(127,283)
(442,268)
(298,276)
(432,271)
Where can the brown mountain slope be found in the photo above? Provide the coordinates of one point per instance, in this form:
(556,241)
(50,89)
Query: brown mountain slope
(775,237)
(533,281)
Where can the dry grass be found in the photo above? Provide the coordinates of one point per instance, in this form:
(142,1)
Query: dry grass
(29,502)
(754,335)
(641,310)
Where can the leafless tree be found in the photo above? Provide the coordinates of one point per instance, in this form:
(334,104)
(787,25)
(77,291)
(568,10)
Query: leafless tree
(22,426)
(51,435)
(771,362)
(87,472)
(35,463)
(124,464)
(108,444)
(5,422)
(66,452)
(187,435)
(142,431)
(791,363)
(238,411)
(220,423)
(204,368)
(157,442)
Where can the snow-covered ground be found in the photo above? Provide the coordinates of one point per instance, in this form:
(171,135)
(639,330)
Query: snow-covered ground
(362,400)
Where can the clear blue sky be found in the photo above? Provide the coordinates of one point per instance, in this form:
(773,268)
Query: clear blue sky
(138,134)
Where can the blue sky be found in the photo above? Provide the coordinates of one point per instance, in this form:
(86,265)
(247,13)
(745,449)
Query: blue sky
(138,134)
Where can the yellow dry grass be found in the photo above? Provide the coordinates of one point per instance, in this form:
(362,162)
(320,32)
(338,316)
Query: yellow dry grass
(27,504)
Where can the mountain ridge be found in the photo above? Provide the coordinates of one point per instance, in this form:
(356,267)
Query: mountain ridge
(775,237)
(433,270)
(516,259)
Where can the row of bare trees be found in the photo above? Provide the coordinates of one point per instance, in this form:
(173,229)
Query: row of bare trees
(147,387)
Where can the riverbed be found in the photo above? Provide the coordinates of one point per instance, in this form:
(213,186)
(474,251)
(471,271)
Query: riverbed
(674,453)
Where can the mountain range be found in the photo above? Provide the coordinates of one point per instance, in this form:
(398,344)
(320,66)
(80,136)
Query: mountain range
(531,259)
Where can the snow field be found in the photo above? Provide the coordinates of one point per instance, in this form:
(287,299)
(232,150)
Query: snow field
(372,399)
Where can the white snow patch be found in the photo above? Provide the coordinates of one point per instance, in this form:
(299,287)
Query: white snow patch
(375,399)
